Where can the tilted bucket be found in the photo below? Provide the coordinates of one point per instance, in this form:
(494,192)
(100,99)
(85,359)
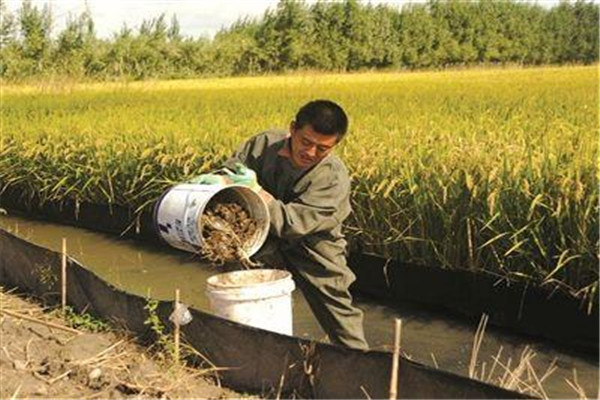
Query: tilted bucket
(177,214)
(260,297)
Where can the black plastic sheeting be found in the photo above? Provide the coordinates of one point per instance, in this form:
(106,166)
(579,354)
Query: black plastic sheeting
(254,360)
(538,311)
(519,306)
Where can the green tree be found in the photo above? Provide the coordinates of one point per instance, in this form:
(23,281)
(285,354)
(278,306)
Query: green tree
(357,30)
(118,57)
(35,30)
(76,46)
(417,36)
(236,52)
(456,32)
(174,31)
(329,36)
(386,51)
(584,43)
(331,45)
(8,28)
(292,35)
(10,55)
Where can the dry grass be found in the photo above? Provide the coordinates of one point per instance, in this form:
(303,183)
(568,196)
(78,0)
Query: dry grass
(118,368)
(518,374)
(577,388)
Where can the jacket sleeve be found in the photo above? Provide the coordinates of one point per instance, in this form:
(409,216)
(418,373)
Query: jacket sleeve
(323,205)
(242,155)
(249,153)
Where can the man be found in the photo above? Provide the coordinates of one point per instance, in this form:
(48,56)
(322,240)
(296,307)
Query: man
(307,192)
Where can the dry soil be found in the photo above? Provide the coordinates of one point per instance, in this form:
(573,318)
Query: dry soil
(38,361)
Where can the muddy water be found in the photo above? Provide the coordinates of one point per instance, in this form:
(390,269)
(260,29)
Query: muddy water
(427,337)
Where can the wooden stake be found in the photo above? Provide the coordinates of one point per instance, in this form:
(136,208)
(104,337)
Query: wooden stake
(177,329)
(64,276)
(395,361)
(39,321)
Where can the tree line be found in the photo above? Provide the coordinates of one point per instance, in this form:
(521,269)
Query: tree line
(326,36)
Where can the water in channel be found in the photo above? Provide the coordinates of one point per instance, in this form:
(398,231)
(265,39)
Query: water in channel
(431,338)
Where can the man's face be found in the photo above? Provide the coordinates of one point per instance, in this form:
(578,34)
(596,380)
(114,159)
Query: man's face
(309,146)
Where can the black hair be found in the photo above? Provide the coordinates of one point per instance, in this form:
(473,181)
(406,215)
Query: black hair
(325,117)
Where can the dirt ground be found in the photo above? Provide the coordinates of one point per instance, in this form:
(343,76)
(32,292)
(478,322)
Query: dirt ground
(39,361)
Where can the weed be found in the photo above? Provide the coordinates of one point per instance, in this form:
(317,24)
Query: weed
(84,321)
(163,340)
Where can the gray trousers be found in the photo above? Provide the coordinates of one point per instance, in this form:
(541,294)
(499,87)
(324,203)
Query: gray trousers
(320,271)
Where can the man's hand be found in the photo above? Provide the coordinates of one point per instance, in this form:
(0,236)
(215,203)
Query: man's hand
(243,175)
(247,177)
(210,179)
(224,176)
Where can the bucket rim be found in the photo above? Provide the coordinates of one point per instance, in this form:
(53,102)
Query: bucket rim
(234,186)
(213,280)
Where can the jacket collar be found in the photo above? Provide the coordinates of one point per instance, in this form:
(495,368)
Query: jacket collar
(286,150)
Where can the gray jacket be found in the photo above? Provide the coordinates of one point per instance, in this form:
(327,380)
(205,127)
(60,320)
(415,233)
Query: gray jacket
(310,204)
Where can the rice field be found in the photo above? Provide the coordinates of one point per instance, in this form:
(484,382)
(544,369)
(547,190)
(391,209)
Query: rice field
(485,169)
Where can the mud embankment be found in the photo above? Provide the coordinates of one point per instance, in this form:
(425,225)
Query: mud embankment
(42,357)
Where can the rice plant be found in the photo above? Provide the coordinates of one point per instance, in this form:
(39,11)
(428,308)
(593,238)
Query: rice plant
(490,169)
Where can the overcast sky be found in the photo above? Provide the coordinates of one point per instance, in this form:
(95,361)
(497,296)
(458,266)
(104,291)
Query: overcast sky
(196,17)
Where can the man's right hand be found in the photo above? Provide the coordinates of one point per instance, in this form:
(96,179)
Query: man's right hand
(243,175)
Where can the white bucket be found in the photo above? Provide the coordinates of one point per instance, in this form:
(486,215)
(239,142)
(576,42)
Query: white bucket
(177,214)
(261,298)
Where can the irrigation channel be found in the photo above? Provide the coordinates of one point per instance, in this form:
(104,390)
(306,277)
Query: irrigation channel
(428,337)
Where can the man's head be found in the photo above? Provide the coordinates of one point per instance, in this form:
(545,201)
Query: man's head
(318,127)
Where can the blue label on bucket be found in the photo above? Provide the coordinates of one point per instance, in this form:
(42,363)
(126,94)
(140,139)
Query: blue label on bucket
(164,228)
(190,221)
(190,229)
(179,230)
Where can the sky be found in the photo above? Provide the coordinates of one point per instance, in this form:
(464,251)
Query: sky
(196,17)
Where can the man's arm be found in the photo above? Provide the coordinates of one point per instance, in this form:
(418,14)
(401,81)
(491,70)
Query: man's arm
(246,154)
